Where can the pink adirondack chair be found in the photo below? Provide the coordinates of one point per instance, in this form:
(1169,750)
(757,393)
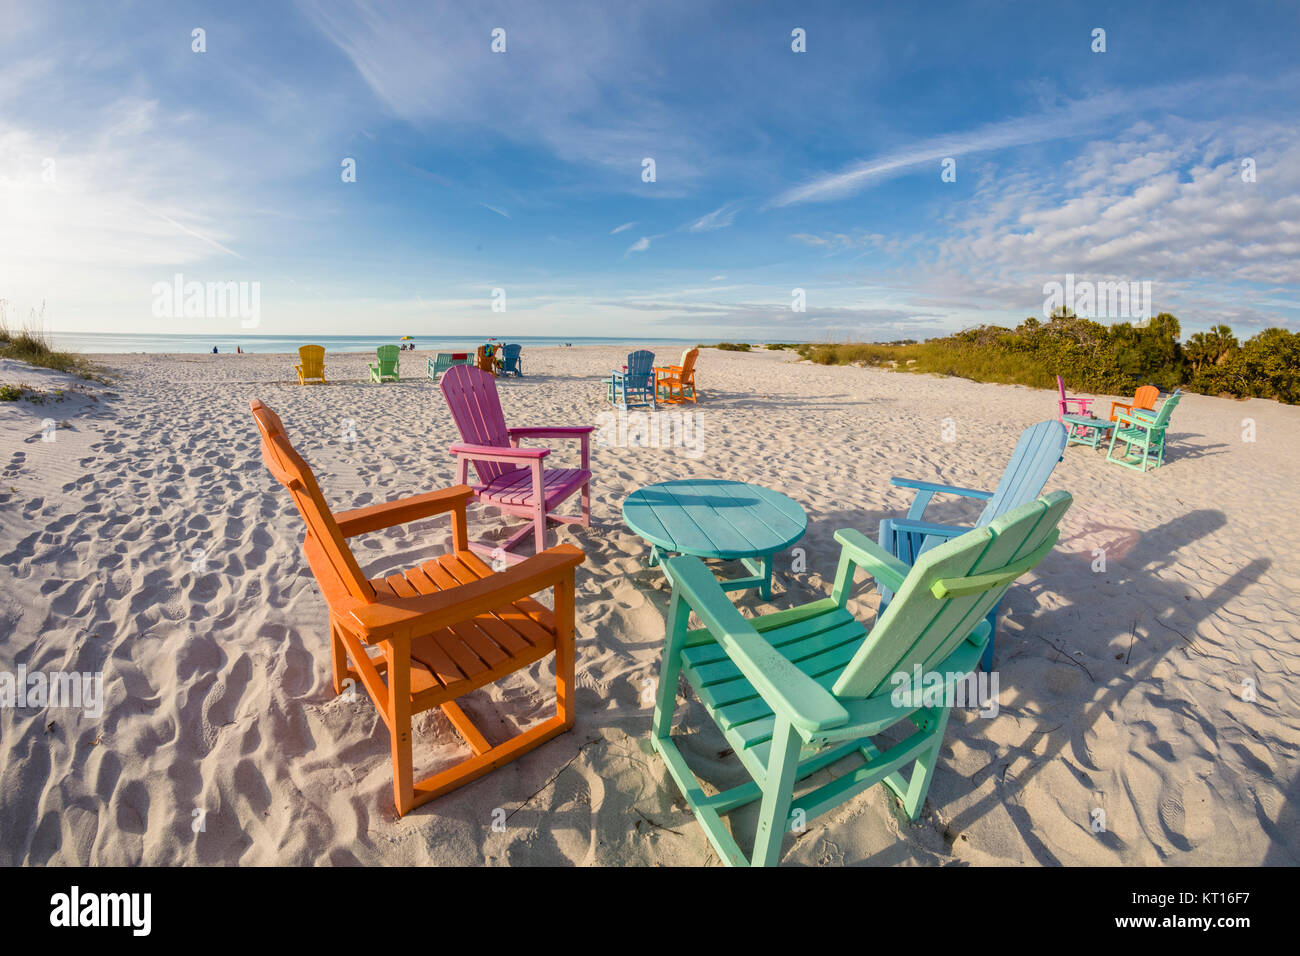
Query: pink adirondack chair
(511,477)
(1085,404)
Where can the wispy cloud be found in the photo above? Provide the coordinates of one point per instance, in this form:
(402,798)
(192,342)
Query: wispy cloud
(617,229)
(720,218)
(500,212)
(1075,119)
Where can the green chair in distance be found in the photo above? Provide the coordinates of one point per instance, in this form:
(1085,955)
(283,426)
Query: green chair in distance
(386,370)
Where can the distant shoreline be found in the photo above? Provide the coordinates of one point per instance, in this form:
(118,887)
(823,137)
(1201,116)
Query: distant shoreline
(109,343)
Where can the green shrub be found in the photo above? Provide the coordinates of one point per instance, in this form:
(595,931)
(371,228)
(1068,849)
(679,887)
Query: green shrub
(10,393)
(1091,357)
(731,346)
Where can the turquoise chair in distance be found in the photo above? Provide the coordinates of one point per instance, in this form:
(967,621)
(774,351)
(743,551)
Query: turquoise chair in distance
(1143,433)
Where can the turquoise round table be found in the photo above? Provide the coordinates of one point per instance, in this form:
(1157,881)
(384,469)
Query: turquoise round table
(710,518)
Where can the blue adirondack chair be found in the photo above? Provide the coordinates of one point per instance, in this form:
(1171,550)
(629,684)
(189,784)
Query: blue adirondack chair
(1039,449)
(510,360)
(636,386)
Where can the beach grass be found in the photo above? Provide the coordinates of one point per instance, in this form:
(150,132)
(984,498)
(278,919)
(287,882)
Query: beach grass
(32,346)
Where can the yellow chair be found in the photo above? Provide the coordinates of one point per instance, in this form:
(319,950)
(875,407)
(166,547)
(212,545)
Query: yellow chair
(313,364)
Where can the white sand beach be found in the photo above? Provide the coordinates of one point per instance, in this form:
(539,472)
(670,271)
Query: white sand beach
(149,542)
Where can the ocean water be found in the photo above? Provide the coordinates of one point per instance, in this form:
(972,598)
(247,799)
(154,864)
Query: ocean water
(94,342)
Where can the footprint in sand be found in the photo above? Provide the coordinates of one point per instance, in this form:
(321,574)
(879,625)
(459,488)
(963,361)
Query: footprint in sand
(1185,813)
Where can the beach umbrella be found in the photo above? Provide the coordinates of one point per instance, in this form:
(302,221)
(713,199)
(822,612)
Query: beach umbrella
(405,338)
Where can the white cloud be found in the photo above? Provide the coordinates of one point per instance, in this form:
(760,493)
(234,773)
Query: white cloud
(1189,224)
(617,229)
(1078,118)
(587,94)
(720,218)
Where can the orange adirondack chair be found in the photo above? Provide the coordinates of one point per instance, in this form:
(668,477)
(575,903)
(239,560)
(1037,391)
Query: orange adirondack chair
(486,359)
(312,358)
(444,628)
(1144,398)
(676,383)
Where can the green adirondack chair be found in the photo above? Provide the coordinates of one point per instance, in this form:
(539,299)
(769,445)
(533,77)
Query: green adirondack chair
(798,690)
(386,370)
(1143,435)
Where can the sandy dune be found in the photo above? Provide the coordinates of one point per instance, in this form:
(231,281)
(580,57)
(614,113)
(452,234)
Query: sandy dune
(148,541)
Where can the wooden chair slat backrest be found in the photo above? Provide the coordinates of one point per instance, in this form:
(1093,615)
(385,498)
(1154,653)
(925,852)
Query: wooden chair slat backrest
(640,369)
(312,358)
(471,394)
(1037,452)
(388,356)
(1145,397)
(921,628)
(510,357)
(289,468)
(1167,409)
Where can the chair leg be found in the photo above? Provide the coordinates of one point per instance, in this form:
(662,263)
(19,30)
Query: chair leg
(539,516)
(986,661)
(399,725)
(778,792)
(586,504)
(338,657)
(564,651)
(918,784)
(670,667)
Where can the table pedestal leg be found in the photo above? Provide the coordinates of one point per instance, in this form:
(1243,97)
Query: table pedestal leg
(762,571)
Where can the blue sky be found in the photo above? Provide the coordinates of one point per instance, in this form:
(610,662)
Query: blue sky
(125,158)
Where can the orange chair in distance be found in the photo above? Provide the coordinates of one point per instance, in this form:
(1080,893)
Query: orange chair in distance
(1144,398)
(444,628)
(676,383)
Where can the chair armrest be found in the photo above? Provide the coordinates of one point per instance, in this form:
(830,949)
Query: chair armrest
(1145,414)
(944,489)
(925,490)
(393,617)
(927,527)
(1132,420)
(786,689)
(870,557)
(548,432)
(402,511)
(498,452)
